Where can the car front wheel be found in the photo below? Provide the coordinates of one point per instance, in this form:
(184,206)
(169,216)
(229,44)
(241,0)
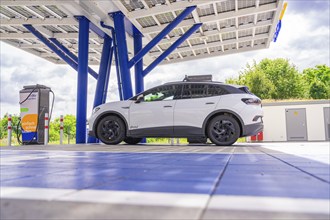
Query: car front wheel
(111,130)
(223,130)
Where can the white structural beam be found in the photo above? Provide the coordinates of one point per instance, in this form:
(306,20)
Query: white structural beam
(45,31)
(215,44)
(257,3)
(144,4)
(197,20)
(236,23)
(214,54)
(34,21)
(31,36)
(33,2)
(215,9)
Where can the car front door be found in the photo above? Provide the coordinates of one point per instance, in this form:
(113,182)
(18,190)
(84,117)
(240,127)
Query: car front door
(153,116)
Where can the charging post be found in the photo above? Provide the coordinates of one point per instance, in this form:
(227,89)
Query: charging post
(9,133)
(34,104)
(46,128)
(61,129)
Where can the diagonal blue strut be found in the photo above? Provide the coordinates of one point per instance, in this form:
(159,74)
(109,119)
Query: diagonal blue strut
(51,46)
(71,55)
(161,35)
(171,48)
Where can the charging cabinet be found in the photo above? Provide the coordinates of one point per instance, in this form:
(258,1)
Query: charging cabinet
(34,103)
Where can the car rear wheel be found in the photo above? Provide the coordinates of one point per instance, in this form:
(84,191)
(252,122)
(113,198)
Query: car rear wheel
(223,130)
(133,141)
(111,130)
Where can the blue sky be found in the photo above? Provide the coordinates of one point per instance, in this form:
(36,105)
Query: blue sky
(304,40)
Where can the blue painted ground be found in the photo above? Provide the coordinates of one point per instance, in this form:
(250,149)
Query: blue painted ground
(281,175)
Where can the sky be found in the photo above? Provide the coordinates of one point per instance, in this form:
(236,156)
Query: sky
(304,40)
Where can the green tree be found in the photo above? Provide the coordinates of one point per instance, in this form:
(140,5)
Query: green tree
(69,127)
(317,82)
(272,79)
(4,125)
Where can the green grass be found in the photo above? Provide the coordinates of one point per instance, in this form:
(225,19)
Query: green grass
(14,142)
(166,140)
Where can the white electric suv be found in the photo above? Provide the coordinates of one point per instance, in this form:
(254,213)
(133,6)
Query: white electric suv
(188,109)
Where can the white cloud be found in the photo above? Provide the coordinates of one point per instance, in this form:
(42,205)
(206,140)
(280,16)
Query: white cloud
(304,39)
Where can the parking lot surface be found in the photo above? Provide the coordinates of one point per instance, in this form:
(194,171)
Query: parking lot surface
(245,181)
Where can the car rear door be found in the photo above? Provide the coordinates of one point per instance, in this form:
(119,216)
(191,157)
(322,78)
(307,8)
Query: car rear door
(198,100)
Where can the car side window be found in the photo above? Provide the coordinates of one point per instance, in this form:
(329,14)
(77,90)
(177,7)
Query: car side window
(194,90)
(216,90)
(161,93)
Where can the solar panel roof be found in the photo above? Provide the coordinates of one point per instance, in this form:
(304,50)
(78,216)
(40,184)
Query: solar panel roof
(229,26)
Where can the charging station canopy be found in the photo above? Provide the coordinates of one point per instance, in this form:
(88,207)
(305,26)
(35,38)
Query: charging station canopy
(229,26)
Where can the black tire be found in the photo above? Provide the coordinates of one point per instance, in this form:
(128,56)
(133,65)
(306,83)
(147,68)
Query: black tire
(223,130)
(133,141)
(111,130)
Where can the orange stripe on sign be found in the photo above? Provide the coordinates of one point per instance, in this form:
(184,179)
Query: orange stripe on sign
(9,128)
(9,119)
(46,127)
(61,128)
(46,118)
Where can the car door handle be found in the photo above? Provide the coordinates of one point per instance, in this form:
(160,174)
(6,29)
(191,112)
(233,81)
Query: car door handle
(125,107)
(168,106)
(209,103)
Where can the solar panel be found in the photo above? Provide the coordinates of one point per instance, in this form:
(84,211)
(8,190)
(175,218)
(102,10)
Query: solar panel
(229,26)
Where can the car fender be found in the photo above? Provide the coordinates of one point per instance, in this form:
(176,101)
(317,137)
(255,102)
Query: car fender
(218,111)
(111,112)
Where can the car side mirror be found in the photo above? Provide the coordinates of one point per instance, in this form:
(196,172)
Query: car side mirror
(139,99)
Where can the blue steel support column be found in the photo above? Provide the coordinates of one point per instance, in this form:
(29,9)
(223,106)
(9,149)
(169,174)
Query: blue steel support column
(103,79)
(106,83)
(171,48)
(115,53)
(103,72)
(120,34)
(161,35)
(139,85)
(120,90)
(82,80)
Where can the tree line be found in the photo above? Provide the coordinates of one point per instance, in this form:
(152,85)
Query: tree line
(280,79)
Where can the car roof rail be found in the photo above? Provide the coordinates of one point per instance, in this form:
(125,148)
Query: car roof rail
(198,78)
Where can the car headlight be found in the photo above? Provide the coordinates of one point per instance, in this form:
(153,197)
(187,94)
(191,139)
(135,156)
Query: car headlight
(95,110)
